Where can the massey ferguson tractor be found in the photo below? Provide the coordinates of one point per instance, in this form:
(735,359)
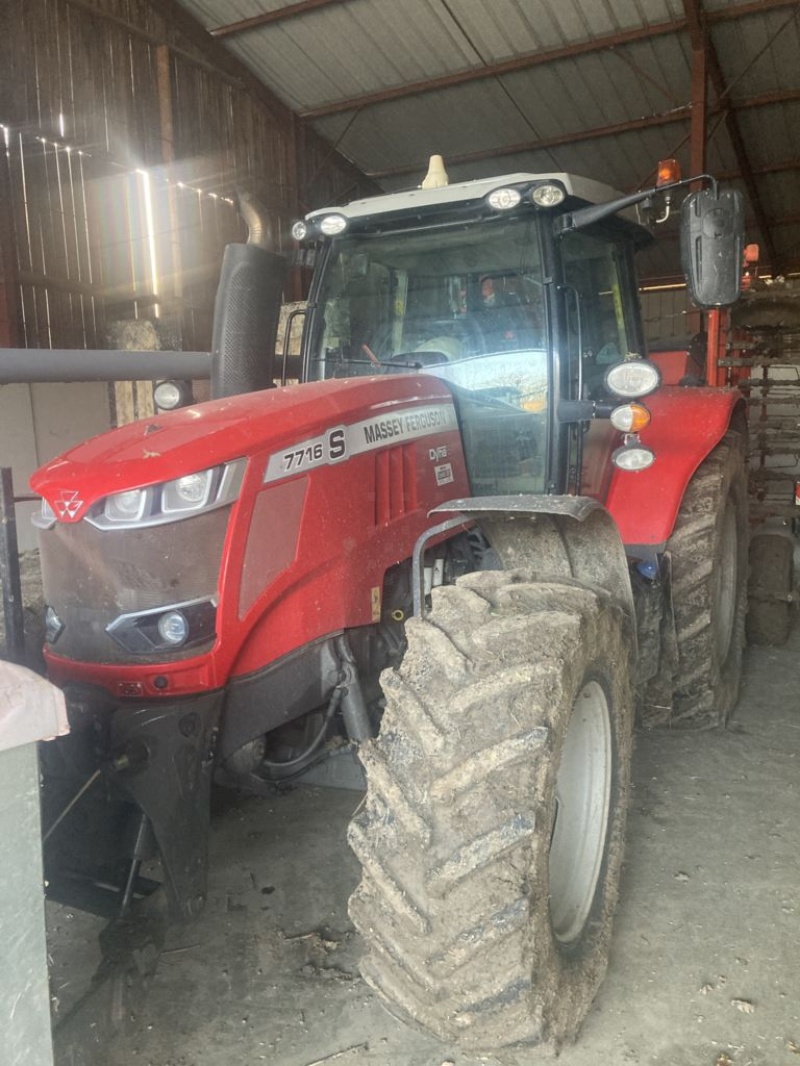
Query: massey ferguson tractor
(481,532)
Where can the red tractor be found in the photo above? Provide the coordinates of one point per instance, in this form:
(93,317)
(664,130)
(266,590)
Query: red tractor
(463,546)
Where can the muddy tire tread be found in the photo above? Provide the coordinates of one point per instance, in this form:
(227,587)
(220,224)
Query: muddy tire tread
(457,930)
(706,689)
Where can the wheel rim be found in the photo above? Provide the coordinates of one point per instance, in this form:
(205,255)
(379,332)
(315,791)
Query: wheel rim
(724,601)
(583,798)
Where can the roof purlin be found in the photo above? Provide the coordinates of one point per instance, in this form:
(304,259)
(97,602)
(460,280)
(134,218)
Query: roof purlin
(540,58)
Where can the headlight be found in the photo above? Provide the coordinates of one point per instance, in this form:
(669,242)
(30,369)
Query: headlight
(192,494)
(127,506)
(548,194)
(633,457)
(633,378)
(332,225)
(503,199)
(165,628)
(173,628)
(170,395)
(188,493)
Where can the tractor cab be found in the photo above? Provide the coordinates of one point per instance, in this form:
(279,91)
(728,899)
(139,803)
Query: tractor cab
(483,285)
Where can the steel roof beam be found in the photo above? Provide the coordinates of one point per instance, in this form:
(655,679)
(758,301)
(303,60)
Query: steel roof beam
(679,114)
(698,126)
(676,115)
(532,59)
(267,18)
(303,7)
(698,131)
(737,11)
(770,168)
(780,96)
(697,34)
(493,70)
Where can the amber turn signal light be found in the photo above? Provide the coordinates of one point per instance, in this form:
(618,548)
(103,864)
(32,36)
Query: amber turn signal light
(669,171)
(630,417)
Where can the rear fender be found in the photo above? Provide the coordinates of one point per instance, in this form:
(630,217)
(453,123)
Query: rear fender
(686,425)
(553,538)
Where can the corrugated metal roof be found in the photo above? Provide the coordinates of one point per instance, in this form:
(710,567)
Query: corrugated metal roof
(608,113)
(760,55)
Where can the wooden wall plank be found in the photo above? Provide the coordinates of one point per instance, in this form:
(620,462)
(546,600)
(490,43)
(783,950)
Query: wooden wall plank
(88,82)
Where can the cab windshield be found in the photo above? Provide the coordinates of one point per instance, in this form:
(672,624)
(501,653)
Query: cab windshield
(464,302)
(418,299)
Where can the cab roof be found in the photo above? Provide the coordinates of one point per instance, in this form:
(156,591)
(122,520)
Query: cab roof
(464,192)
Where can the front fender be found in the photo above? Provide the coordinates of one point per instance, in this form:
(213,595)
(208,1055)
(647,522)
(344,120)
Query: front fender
(554,537)
(687,424)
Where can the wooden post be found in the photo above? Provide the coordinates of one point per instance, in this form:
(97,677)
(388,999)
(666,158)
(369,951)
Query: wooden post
(697,142)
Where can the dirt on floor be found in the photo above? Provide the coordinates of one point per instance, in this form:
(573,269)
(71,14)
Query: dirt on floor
(704,967)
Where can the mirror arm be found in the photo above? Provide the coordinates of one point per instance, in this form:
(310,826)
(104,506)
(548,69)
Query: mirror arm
(584,410)
(585,216)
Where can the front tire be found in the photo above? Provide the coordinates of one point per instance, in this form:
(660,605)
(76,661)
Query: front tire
(708,549)
(492,834)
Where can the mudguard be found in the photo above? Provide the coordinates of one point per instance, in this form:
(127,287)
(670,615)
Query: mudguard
(687,424)
(553,536)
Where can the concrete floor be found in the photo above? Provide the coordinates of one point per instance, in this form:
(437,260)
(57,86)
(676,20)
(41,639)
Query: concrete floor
(704,969)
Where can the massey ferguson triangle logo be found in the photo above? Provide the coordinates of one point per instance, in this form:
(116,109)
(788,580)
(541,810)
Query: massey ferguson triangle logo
(67,503)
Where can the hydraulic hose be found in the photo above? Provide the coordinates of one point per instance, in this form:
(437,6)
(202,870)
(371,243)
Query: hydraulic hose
(333,706)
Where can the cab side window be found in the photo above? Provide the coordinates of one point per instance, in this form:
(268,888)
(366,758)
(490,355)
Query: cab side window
(598,297)
(596,318)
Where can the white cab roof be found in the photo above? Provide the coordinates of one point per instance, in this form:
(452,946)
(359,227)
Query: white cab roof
(593,192)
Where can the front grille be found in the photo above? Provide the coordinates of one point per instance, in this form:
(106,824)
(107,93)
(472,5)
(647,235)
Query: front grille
(93,576)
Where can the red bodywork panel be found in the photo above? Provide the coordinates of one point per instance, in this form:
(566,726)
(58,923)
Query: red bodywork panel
(310,539)
(313,562)
(686,425)
(676,365)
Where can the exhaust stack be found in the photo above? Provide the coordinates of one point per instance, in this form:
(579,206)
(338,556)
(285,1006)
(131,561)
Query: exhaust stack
(247,309)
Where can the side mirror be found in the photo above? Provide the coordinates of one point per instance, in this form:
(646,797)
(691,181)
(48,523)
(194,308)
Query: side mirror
(712,246)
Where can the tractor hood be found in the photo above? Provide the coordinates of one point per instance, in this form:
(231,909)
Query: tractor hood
(177,443)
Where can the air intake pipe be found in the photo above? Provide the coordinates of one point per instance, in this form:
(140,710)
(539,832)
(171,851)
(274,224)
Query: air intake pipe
(247,309)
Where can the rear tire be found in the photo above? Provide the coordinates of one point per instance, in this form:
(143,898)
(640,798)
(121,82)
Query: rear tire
(499,780)
(708,549)
(769,616)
